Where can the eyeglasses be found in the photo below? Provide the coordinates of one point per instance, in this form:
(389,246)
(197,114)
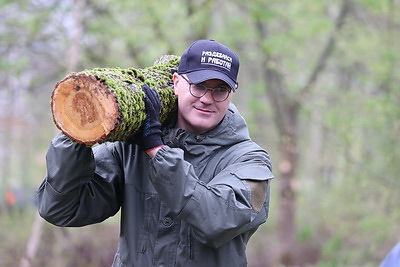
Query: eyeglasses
(219,94)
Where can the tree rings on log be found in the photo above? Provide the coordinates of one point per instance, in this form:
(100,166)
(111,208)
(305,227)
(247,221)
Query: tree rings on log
(84,108)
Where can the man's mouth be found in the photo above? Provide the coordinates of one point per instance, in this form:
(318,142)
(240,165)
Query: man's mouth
(204,110)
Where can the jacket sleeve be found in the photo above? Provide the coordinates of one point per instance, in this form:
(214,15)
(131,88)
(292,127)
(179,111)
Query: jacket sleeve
(73,193)
(220,210)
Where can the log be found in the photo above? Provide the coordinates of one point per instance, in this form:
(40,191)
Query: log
(106,104)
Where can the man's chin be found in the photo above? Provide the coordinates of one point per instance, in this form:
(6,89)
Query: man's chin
(200,128)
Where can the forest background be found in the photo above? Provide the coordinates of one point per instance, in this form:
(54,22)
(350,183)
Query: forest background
(319,86)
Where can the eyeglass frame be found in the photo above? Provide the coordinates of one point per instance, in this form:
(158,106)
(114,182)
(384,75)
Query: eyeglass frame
(205,91)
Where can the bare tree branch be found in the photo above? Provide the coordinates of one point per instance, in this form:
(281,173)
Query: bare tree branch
(327,50)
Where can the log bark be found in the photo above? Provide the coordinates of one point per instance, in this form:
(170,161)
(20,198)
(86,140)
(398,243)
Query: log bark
(106,104)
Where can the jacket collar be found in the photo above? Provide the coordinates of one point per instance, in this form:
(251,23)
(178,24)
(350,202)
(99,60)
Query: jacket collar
(231,130)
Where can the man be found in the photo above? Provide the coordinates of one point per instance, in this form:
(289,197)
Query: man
(191,194)
(392,259)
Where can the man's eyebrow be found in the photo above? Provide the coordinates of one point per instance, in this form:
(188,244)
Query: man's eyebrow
(220,83)
(223,84)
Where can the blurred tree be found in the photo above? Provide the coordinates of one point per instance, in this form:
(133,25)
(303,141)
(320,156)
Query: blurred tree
(21,38)
(290,38)
(361,129)
(276,34)
(74,55)
(330,83)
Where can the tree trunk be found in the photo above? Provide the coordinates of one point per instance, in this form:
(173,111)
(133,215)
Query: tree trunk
(287,199)
(287,121)
(106,104)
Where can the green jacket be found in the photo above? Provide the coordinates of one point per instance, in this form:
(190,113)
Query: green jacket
(188,206)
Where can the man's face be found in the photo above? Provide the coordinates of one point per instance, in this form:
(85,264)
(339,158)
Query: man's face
(199,114)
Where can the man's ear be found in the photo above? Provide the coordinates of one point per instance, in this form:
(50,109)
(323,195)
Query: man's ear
(175,79)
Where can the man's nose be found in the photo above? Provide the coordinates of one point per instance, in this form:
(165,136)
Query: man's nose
(207,97)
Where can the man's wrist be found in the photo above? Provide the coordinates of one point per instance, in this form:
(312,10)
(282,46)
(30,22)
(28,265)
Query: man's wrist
(152,141)
(153,151)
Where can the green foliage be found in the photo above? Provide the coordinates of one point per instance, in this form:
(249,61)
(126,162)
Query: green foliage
(332,246)
(348,128)
(376,7)
(305,234)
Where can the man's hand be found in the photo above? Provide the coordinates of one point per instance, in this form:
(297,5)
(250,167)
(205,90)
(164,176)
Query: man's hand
(151,134)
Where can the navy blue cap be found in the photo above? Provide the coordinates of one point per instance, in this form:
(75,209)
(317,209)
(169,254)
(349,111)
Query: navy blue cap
(208,59)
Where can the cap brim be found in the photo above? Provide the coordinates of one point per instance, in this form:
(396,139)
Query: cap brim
(200,76)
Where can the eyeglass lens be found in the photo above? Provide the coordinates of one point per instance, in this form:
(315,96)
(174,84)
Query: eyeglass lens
(219,94)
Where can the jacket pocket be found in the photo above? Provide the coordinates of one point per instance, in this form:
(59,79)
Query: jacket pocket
(149,221)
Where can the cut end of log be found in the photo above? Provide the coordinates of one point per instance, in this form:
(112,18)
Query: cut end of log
(84,108)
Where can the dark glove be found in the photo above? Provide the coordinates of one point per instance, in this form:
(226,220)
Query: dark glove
(151,134)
